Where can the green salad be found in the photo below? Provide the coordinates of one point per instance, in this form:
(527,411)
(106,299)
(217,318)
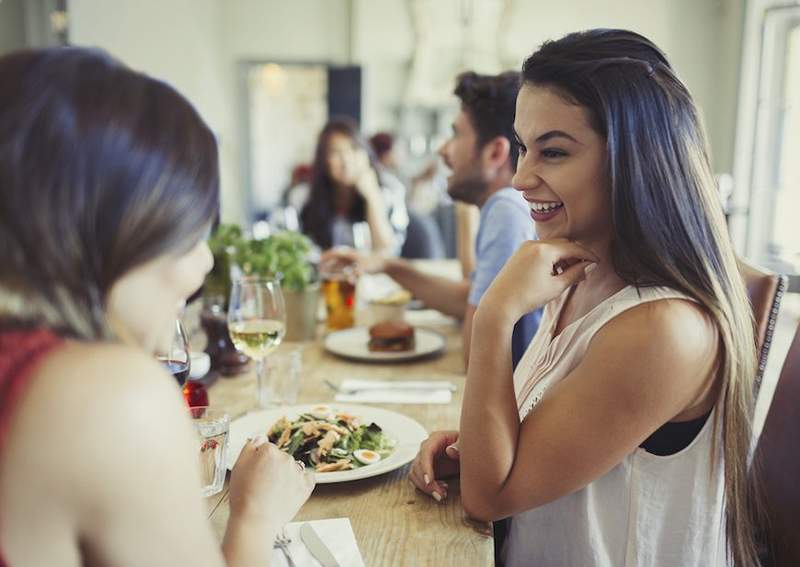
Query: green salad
(329,441)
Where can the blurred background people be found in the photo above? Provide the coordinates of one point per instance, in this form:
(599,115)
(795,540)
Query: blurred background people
(385,150)
(482,155)
(349,202)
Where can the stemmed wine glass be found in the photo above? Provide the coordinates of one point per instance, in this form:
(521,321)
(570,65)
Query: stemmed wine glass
(173,353)
(257,323)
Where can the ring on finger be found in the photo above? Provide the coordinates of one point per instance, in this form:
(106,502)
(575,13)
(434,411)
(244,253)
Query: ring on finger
(301,465)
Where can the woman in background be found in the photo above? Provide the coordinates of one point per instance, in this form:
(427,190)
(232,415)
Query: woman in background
(347,193)
(623,435)
(108,186)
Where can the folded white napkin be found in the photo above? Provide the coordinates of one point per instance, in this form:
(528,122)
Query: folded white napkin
(396,392)
(337,534)
(428,318)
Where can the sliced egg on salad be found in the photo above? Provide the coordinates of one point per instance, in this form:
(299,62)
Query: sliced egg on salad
(322,412)
(366,457)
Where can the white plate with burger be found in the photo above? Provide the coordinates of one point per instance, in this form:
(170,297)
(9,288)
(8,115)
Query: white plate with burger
(389,341)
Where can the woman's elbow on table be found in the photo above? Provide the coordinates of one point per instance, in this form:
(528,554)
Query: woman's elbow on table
(491,504)
(483,505)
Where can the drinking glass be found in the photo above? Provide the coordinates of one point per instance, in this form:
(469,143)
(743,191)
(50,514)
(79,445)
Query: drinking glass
(212,426)
(284,369)
(257,323)
(173,353)
(339,290)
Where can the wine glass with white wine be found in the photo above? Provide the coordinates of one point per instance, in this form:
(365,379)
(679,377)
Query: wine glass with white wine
(257,323)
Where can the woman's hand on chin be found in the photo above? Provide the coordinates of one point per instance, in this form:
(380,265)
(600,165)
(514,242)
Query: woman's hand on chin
(537,273)
(365,178)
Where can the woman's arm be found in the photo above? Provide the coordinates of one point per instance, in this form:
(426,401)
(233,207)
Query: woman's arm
(380,229)
(642,369)
(467,223)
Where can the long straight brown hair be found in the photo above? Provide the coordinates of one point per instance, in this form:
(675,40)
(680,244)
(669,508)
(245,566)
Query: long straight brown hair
(669,229)
(101,170)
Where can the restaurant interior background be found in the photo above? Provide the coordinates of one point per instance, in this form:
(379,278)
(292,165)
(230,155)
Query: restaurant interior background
(266,74)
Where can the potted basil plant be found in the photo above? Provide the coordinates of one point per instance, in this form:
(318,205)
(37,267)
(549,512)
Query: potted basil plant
(285,255)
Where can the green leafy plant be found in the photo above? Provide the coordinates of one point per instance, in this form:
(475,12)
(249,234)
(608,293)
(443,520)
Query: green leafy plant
(283,254)
(223,241)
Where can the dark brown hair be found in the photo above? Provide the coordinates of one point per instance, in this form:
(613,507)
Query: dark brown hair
(101,170)
(490,101)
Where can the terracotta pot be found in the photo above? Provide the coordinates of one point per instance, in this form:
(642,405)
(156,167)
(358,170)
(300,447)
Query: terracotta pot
(301,313)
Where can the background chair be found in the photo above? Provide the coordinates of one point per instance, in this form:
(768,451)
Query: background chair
(423,238)
(778,457)
(765,290)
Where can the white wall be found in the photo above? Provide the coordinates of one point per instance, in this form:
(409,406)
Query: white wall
(383,40)
(283,30)
(12,25)
(702,38)
(271,31)
(172,40)
(198,44)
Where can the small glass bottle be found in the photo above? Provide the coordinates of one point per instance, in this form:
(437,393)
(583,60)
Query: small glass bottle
(195,393)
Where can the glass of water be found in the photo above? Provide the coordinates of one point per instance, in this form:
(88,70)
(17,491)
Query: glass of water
(285,367)
(212,426)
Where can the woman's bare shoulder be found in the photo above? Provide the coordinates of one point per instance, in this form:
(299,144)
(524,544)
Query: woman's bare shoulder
(93,393)
(663,347)
(95,370)
(682,322)
(100,440)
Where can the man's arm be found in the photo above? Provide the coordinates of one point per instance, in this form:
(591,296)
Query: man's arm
(466,331)
(467,221)
(446,295)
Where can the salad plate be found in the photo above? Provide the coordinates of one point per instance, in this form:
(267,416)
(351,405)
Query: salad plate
(394,436)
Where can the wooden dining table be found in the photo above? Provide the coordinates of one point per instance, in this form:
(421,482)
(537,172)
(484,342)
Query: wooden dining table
(394,524)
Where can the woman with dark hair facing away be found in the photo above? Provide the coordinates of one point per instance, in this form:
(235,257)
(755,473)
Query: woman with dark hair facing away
(622,437)
(108,185)
(346,191)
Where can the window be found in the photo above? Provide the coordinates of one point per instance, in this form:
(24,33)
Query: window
(772,236)
(784,238)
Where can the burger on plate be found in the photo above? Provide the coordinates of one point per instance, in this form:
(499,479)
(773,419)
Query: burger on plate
(391,336)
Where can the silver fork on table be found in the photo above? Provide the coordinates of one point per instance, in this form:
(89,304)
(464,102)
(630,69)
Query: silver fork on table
(282,542)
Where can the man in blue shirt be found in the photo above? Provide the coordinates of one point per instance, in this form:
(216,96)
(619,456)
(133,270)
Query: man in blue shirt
(482,156)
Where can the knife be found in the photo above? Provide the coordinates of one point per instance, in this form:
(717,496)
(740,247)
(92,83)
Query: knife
(317,547)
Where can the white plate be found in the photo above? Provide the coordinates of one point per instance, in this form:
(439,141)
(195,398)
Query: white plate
(352,343)
(406,432)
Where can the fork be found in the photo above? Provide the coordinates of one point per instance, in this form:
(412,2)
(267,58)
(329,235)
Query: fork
(282,542)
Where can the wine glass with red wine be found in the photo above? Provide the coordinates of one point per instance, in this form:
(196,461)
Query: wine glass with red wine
(174,353)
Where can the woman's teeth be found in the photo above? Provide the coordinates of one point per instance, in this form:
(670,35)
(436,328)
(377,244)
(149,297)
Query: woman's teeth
(545,207)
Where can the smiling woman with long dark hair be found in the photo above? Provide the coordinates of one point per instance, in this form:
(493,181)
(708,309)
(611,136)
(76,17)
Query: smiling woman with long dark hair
(108,184)
(622,437)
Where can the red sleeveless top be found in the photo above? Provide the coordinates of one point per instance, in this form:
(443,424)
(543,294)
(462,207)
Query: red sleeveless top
(20,354)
